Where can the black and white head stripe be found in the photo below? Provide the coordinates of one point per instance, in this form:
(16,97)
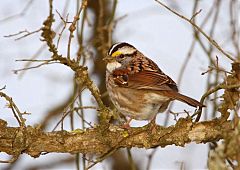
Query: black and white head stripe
(117,46)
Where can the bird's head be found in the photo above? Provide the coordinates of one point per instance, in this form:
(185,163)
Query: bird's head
(120,51)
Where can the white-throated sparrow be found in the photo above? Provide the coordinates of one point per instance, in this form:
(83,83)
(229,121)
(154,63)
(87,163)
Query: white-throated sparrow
(136,86)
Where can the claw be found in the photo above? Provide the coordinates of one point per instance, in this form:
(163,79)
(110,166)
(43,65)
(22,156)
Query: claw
(126,124)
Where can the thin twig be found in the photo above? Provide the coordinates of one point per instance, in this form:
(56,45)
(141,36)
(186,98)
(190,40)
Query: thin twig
(212,41)
(22,13)
(16,112)
(13,159)
(65,21)
(150,158)
(4,87)
(209,92)
(37,66)
(27,33)
(131,161)
(75,109)
(72,27)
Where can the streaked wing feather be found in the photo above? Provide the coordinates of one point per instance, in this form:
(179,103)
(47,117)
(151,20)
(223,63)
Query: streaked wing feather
(120,77)
(147,80)
(150,80)
(143,73)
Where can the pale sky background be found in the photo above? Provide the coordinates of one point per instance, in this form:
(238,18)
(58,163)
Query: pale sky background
(156,32)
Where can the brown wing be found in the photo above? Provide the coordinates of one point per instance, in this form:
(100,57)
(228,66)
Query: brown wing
(144,79)
(149,80)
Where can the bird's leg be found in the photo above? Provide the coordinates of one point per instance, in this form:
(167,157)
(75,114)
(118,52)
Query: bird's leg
(126,124)
(152,124)
(153,121)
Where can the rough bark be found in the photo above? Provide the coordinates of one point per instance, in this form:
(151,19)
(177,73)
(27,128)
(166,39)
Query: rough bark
(101,140)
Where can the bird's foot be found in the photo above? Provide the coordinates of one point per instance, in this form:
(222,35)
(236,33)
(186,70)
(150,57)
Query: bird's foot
(126,125)
(152,126)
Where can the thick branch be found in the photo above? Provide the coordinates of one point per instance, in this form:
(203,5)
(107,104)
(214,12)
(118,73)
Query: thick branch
(99,141)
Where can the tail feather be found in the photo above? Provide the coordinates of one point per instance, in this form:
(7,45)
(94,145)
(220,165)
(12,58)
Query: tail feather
(188,100)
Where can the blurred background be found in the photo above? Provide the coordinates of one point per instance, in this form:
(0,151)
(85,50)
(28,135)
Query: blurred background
(162,36)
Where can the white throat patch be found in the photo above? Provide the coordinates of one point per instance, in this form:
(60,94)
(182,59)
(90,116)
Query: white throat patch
(113,65)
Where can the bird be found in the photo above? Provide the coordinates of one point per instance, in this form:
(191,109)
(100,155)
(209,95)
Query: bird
(137,87)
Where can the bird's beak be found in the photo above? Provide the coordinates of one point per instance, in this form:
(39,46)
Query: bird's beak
(108,58)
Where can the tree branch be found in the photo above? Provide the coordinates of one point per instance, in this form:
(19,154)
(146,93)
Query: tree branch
(99,141)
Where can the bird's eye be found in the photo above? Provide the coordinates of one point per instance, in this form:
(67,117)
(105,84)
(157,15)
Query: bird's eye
(121,56)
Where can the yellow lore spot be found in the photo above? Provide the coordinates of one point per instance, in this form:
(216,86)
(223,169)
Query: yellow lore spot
(116,53)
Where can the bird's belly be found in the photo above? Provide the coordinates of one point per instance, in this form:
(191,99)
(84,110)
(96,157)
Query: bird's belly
(137,104)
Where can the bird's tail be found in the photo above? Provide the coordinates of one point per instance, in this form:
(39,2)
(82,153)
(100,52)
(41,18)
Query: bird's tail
(188,100)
